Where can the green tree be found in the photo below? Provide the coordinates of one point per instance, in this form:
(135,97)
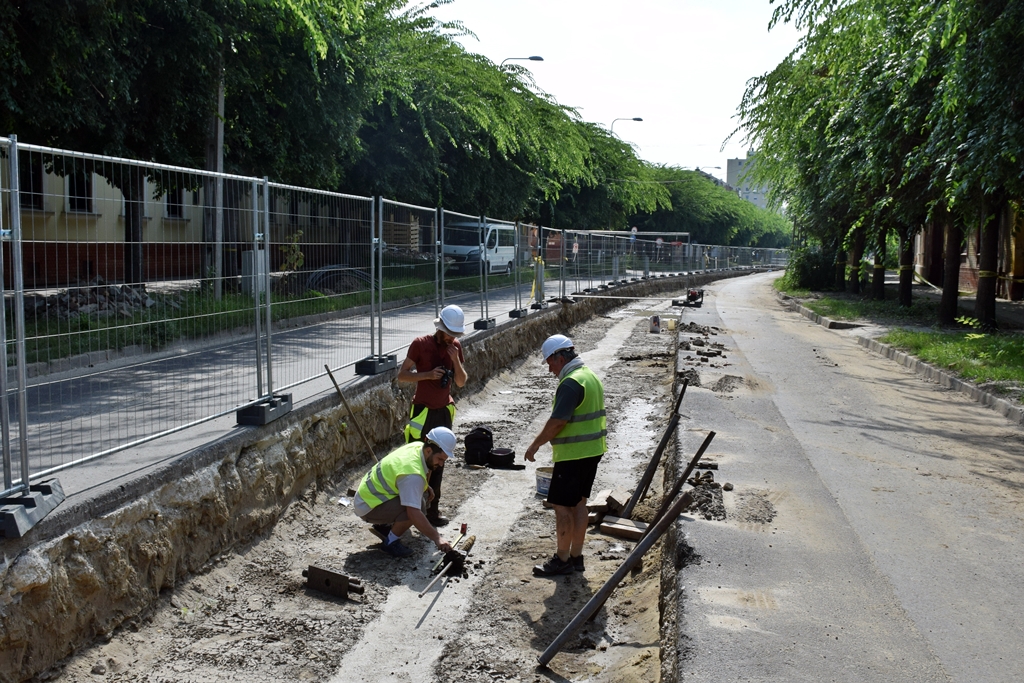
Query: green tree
(617,185)
(710,213)
(139,79)
(893,113)
(446,126)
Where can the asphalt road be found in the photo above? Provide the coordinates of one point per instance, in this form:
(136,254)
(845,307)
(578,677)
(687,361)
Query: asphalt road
(895,552)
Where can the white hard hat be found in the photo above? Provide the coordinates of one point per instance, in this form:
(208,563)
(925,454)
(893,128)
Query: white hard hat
(443,437)
(452,321)
(555,342)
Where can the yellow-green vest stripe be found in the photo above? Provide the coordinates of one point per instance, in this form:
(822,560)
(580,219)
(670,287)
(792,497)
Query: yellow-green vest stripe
(414,428)
(584,435)
(381,483)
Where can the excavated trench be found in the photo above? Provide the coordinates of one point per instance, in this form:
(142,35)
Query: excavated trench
(200,578)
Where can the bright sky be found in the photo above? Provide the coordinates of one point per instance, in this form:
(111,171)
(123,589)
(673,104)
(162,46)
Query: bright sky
(681,65)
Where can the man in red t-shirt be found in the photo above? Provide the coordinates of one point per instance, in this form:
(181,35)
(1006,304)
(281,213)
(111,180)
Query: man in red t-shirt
(434,363)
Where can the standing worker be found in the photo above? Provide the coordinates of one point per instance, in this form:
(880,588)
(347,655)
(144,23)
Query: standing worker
(394,493)
(576,430)
(434,363)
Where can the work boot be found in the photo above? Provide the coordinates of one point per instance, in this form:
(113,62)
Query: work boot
(396,549)
(553,567)
(381,531)
(577,562)
(437,521)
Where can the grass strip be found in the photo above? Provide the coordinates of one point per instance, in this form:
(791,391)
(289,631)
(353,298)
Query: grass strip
(922,312)
(980,358)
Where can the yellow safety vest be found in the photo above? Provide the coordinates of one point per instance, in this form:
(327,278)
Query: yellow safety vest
(584,435)
(381,483)
(414,428)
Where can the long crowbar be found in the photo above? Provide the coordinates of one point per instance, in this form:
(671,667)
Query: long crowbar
(351,414)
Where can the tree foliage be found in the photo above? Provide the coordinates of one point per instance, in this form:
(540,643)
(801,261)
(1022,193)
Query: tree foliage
(363,96)
(891,113)
(710,213)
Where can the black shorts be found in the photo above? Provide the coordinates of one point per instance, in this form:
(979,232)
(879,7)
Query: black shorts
(572,481)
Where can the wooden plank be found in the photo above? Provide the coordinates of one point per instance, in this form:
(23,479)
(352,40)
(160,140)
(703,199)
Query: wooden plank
(620,531)
(623,528)
(599,503)
(622,521)
(617,500)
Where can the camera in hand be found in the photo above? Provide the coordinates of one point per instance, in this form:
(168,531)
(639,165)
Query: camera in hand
(446,377)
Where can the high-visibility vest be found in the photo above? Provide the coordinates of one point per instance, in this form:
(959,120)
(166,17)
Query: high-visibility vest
(584,435)
(414,428)
(381,483)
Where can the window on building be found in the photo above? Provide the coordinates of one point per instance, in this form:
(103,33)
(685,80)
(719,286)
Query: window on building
(80,192)
(314,211)
(175,203)
(30,183)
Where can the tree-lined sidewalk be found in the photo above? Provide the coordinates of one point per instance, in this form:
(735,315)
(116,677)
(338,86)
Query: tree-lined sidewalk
(890,116)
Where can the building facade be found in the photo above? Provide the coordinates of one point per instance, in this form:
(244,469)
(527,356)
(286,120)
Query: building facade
(736,171)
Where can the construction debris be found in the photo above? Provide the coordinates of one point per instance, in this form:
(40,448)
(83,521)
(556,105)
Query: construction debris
(331,582)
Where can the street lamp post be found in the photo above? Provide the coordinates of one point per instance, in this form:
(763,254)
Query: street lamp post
(534,58)
(635,118)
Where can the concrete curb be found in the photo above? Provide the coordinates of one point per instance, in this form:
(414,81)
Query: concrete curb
(1011,412)
(827,323)
(928,371)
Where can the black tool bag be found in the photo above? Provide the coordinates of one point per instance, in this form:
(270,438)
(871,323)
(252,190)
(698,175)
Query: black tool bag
(479,443)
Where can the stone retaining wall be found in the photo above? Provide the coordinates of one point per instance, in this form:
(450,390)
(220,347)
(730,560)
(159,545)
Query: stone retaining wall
(94,564)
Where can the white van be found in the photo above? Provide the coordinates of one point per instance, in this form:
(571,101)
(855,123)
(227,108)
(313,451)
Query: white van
(462,247)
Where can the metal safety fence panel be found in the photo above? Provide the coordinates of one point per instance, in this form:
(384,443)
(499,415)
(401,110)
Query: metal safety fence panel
(461,239)
(118,277)
(319,265)
(407,274)
(142,299)
(498,290)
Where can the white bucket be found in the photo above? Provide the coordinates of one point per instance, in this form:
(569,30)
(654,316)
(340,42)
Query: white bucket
(544,479)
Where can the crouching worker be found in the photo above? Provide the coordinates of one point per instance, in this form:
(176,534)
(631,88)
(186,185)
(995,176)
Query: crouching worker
(393,495)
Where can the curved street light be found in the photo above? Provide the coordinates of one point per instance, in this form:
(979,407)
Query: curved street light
(534,58)
(635,118)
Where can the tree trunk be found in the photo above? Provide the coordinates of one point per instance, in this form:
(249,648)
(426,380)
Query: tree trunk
(934,238)
(948,307)
(133,190)
(906,298)
(213,195)
(1015,256)
(855,256)
(878,273)
(840,279)
(234,192)
(988,261)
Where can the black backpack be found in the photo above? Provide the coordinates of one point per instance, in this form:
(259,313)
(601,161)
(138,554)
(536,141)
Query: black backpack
(479,443)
